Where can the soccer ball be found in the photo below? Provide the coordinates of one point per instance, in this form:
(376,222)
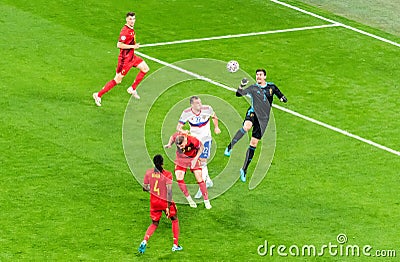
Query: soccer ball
(232,66)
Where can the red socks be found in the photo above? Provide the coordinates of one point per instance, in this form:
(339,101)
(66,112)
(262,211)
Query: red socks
(185,191)
(150,231)
(175,230)
(138,79)
(203,189)
(107,87)
(183,187)
(112,83)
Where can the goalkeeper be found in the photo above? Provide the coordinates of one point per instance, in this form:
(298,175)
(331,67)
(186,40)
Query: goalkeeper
(257,116)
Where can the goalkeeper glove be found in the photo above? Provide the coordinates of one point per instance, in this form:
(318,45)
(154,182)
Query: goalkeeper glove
(244,82)
(283,99)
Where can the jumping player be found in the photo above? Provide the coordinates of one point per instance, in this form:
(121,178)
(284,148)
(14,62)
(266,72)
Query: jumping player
(158,182)
(198,116)
(188,151)
(126,60)
(257,116)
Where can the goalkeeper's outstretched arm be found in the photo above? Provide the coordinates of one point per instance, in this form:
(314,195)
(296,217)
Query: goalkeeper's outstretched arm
(240,91)
(279,94)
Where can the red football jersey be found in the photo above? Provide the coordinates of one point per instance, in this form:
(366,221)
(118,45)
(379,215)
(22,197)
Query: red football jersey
(127,36)
(158,186)
(191,148)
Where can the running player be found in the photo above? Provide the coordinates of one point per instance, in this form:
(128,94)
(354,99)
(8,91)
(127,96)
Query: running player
(126,60)
(257,116)
(188,151)
(158,182)
(198,116)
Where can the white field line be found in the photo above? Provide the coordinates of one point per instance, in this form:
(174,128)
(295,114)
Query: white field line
(343,132)
(337,23)
(240,35)
(186,71)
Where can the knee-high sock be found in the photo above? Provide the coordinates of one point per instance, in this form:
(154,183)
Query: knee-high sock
(183,187)
(249,157)
(204,172)
(203,190)
(138,79)
(239,134)
(175,230)
(150,230)
(107,87)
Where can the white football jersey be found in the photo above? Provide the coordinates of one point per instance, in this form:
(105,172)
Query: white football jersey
(200,123)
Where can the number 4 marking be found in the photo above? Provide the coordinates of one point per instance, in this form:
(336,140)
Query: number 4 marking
(156,189)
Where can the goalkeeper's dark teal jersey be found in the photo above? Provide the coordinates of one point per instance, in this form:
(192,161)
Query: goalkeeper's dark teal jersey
(261,100)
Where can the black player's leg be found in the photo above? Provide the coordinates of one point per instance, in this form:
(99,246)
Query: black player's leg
(256,136)
(239,134)
(250,153)
(249,157)
(247,125)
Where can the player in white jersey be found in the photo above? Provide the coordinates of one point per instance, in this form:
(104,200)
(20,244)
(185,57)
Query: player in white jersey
(198,116)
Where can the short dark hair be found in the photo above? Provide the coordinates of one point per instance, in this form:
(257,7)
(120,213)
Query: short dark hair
(193,98)
(130,14)
(261,70)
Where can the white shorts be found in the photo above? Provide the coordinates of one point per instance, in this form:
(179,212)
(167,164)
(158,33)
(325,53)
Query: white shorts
(207,149)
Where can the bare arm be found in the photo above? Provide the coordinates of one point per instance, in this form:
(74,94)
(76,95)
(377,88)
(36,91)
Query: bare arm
(169,194)
(215,121)
(199,151)
(169,199)
(170,142)
(121,45)
(146,187)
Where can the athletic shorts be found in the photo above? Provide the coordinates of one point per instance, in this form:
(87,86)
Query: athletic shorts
(256,133)
(156,212)
(124,67)
(207,150)
(183,163)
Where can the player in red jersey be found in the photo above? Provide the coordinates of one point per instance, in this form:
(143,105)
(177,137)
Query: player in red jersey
(188,151)
(126,60)
(158,182)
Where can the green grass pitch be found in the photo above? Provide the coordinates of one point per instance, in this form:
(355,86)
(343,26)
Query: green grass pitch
(66,190)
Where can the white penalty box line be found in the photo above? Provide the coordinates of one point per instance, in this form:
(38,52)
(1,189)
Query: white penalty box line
(336,23)
(332,24)
(240,35)
(312,120)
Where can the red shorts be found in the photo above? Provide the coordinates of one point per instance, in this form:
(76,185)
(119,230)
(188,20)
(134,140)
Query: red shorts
(123,67)
(183,163)
(156,212)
